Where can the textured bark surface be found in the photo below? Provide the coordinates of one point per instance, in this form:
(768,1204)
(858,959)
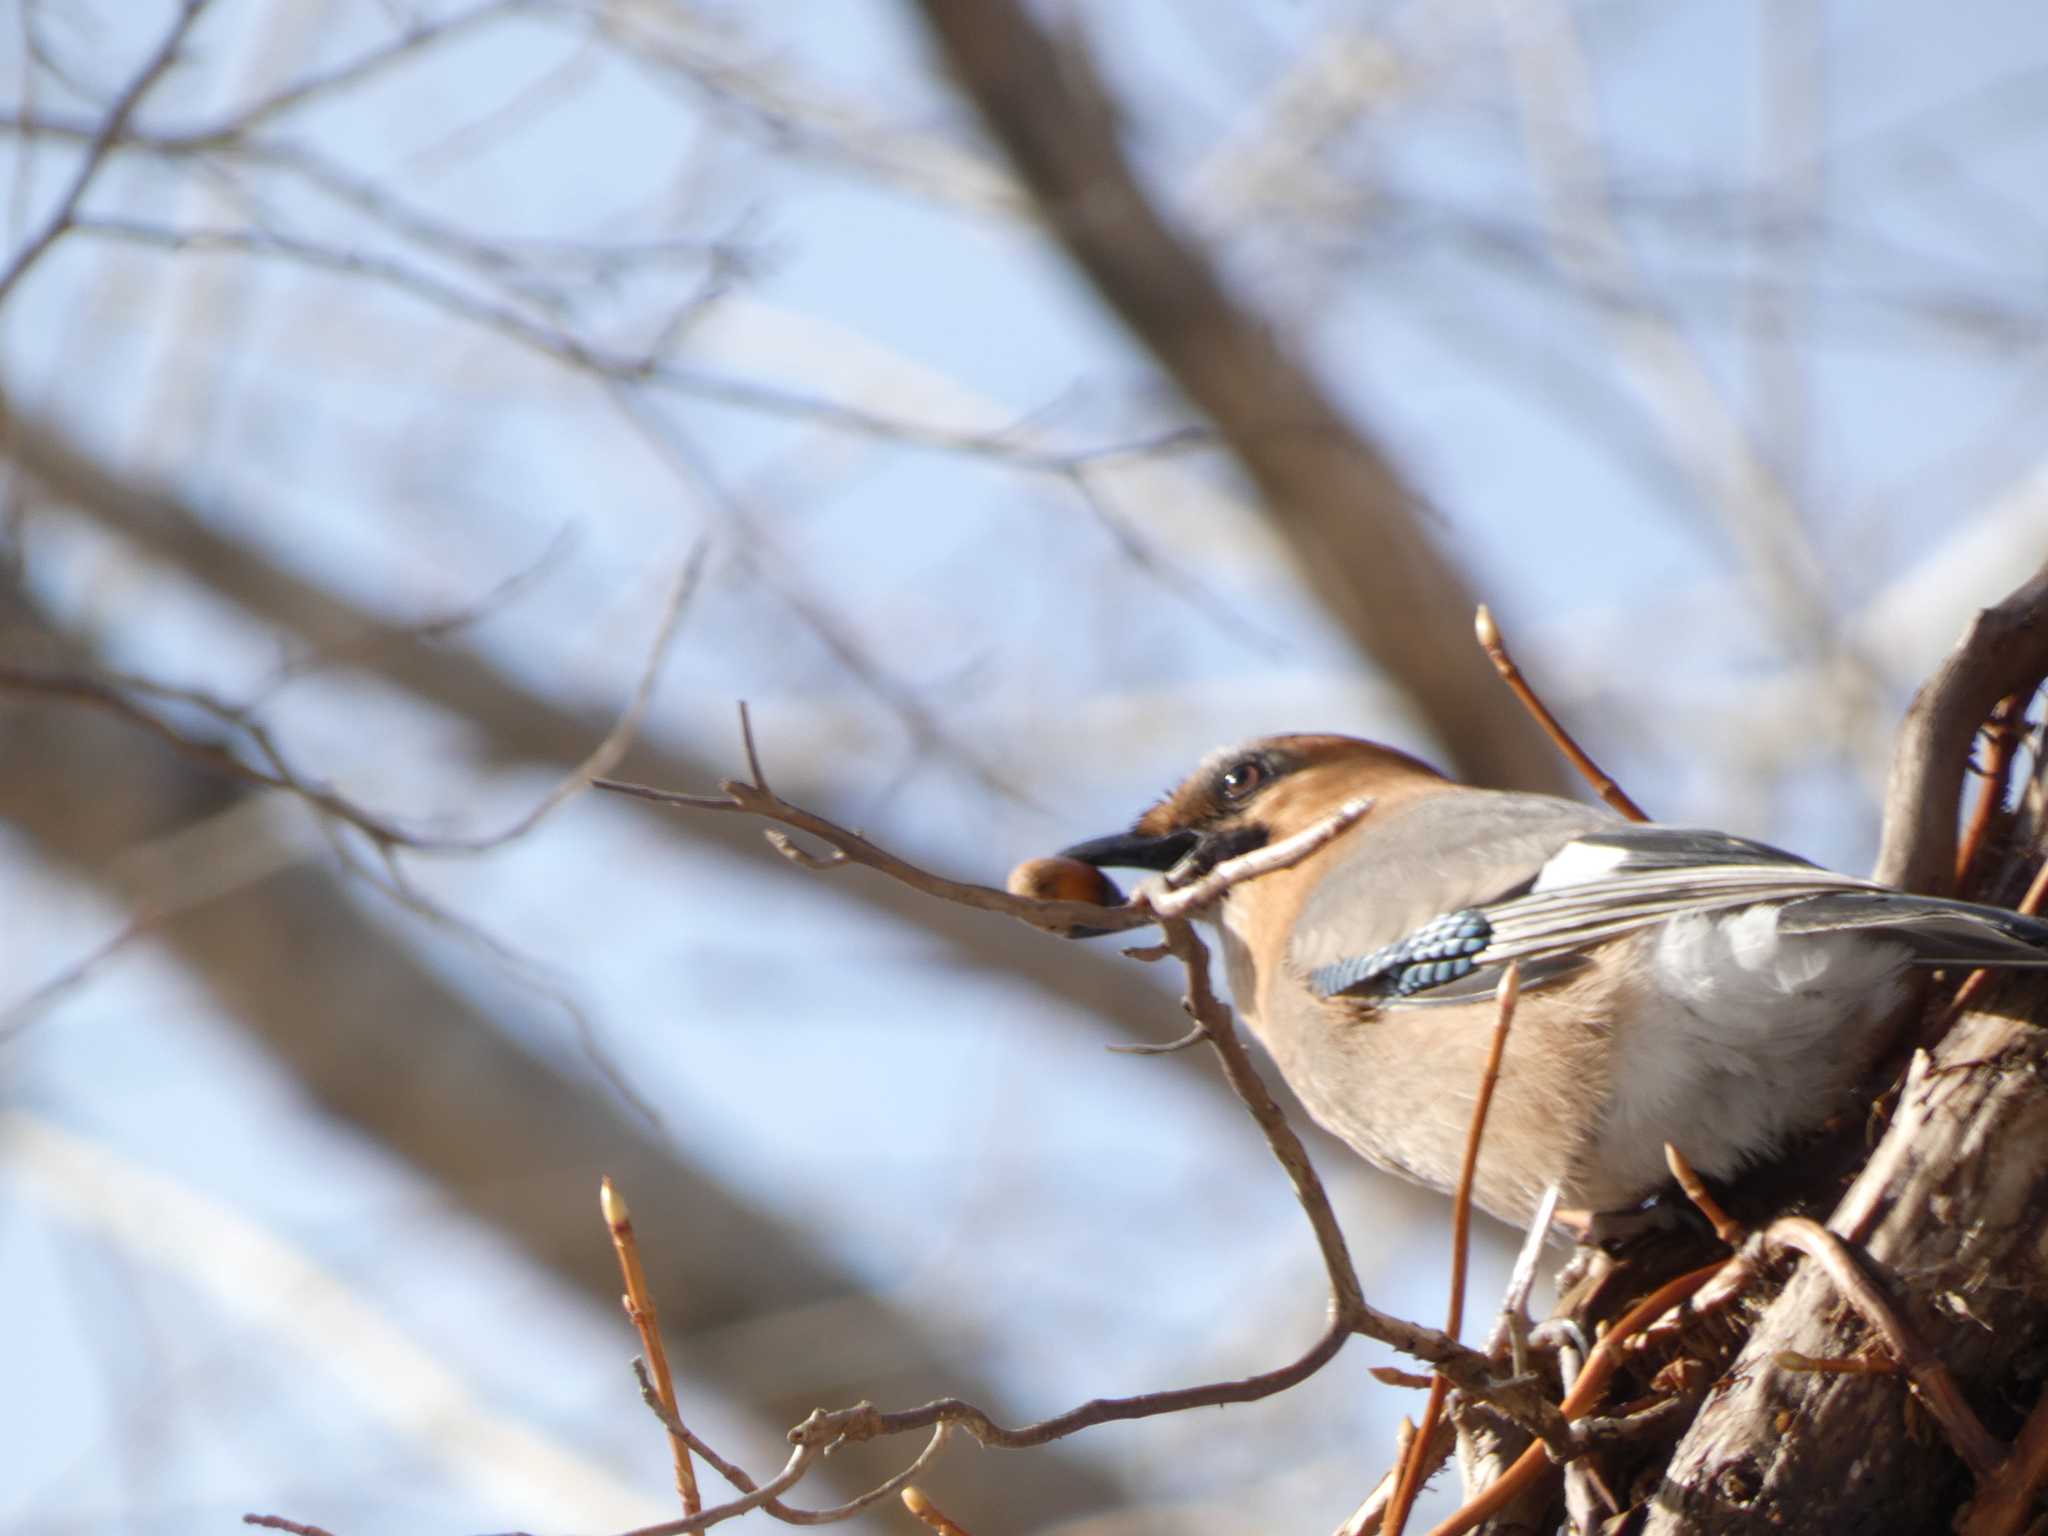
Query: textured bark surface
(1955,1203)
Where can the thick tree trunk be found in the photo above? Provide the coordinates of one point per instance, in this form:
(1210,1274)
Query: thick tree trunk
(1954,1201)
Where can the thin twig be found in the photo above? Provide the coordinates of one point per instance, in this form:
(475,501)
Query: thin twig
(120,694)
(639,1302)
(1497,652)
(1508,993)
(24,1011)
(2000,736)
(916,1501)
(605,756)
(65,214)
(813,1438)
(1394,1376)
(1514,1301)
(1368,1519)
(403,48)
(2008,1501)
(1179,901)
(280,1523)
(1834,1365)
(756,799)
(1729,1230)
(1535,1463)
(1624,1428)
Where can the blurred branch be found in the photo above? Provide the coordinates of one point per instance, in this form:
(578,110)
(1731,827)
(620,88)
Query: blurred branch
(402,48)
(387,1044)
(1332,493)
(514,723)
(297,1316)
(1701,432)
(64,216)
(650,368)
(754,545)
(799,115)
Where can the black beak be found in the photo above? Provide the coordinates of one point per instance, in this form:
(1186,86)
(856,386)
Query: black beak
(1134,850)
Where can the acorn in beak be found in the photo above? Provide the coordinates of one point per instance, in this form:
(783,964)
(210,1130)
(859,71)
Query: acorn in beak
(1135,850)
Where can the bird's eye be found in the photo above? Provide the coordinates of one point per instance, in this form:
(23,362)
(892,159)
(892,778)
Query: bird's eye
(1242,777)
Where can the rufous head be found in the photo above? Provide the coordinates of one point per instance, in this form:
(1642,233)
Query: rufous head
(1247,796)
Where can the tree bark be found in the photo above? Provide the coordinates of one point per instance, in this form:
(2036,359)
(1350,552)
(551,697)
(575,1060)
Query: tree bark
(1954,1199)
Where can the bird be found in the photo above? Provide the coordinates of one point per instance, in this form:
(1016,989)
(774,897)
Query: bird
(1677,984)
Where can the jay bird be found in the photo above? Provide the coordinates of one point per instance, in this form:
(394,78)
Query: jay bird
(1677,985)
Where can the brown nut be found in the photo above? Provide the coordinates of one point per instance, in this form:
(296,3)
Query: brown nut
(1059,879)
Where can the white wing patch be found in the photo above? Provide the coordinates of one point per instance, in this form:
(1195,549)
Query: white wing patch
(1580,864)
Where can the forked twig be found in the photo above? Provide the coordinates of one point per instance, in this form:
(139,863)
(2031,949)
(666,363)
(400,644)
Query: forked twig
(1535,1463)
(754,798)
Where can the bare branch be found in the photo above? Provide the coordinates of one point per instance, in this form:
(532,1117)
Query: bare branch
(1179,901)
(1508,994)
(1497,652)
(1980,1452)
(64,216)
(2004,651)
(639,1300)
(1060,917)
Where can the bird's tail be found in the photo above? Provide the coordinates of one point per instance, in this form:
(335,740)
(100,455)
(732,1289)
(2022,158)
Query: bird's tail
(1939,932)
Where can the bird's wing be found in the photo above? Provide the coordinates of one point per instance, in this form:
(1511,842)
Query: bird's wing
(1938,932)
(1398,870)
(1616,880)
(1605,882)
